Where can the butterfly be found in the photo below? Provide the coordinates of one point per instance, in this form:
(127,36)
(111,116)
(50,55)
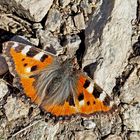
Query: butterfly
(56,86)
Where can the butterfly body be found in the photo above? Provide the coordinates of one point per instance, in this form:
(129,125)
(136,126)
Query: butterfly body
(57,86)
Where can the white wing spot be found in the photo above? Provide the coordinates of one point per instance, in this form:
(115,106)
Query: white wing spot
(28,69)
(90,88)
(26,49)
(102,96)
(38,56)
(81,103)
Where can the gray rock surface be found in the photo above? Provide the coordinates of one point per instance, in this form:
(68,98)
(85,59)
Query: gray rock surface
(53,20)
(79,21)
(114,137)
(131,117)
(134,136)
(130,90)
(3,89)
(15,109)
(32,9)
(108,36)
(107,31)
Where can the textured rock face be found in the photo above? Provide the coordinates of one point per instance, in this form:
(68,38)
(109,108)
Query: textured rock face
(34,10)
(3,89)
(131,117)
(108,36)
(15,109)
(100,31)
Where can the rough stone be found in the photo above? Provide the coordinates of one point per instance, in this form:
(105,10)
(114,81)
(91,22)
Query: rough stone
(134,136)
(64,3)
(79,21)
(43,131)
(15,108)
(53,20)
(69,26)
(131,117)
(108,36)
(72,44)
(130,90)
(89,124)
(85,5)
(113,137)
(49,42)
(33,10)
(3,65)
(3,89)
(108,124)
(87,135)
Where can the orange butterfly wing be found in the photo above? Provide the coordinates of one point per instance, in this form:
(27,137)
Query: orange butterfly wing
(25,62)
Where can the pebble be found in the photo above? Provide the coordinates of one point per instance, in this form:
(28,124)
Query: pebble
(79,21)
(53,20)
(3,65)
(15,109)
(3,88)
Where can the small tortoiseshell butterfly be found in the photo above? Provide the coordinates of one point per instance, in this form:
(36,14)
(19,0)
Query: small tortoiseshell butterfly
(57,86)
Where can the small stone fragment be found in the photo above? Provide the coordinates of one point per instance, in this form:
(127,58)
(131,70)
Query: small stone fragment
(72,44)
(64,3)
(130,90)
(84,4)
(49,42)
(34,41)
(3,89)
(87,135)
(79,21)
(15,109)
(33,10)
(113,137)
(89,124)
(134,136)
(3,65)
(69,26)
(131,117)
(53,20)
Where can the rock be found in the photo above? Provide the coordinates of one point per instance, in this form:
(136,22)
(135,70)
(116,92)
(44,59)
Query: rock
(53,20)
(87,135)
(14,24)
(131,117)
(15,108)
(43,131)
(85,5)
(130,90)
(113,137)
(79,21)
(134,136)
(105,39)
(64,3)
(74,8)
(37,26)
(3,89)
(72,44)
(109,123)
(69,26)
(49,42)
(34,41)
(30,9)
(89,124)
(3,65)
